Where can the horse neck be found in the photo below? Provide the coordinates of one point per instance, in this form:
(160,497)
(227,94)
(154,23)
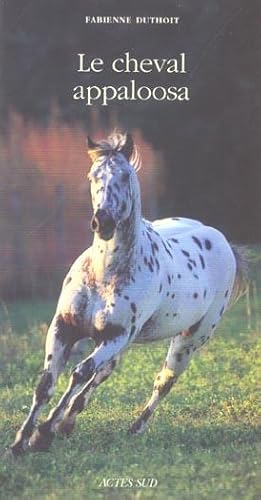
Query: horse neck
(116,258)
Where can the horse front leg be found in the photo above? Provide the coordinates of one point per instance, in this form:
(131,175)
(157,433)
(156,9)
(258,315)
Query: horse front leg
(83,373)
(59,340)
(81,399)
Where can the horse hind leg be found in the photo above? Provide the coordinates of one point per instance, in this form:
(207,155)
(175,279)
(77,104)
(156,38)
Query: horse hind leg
(59,341)
(81,399)
(182,348)
(176,361)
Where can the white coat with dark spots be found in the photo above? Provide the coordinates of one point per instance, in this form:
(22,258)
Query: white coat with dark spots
(138,282)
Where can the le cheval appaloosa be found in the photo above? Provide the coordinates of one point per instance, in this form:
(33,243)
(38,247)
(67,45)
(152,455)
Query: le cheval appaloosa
(140,281)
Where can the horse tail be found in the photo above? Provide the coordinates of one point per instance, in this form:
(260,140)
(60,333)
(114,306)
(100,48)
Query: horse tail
(241,282)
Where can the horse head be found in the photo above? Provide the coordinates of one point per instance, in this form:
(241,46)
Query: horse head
(113,182)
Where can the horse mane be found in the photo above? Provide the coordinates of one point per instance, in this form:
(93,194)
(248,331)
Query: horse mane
(117,142)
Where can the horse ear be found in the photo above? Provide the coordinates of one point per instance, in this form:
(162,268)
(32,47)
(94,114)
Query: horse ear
(127,148)
(90,143)
(92,149)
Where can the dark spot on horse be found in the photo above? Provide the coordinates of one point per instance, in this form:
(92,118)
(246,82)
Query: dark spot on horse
(226,294)
(101,251)
(133,307)
(133,328)
(194,328)
(187,254)
(116,198)
(167,294)
(145,261)
(179,276)
(197,241)
(202,261)
(174,315)
(150,267)
(126,297)
(133,319)
(195,295)
(133,279)
(173,295)
(196,276)
(160,288)
(116,185)
(208,244)
(193,262)
(179,357)
(167,314)
(116,249)
(213,326)
(194,349)
(141,250)
(167,250)
(187,351)
(43,386)
(174,240)
(205,294)
(125,176)
(49,357)
(112,304)
(67,281)
(110,332)
(139,268)
(189,266)
(123,206)
(157,264)
(156,246)
(169,279)
(222,311)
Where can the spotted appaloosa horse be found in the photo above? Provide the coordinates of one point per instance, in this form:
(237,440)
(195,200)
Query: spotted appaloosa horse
(138,282)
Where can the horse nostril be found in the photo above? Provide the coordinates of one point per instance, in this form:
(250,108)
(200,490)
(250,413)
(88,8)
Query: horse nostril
(102,222)
(94,224)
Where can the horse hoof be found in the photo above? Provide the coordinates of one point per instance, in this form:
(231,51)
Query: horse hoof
(16,449)
(41,441)
(65,427)
(137,427)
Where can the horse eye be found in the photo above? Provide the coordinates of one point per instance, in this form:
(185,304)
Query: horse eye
(125,176)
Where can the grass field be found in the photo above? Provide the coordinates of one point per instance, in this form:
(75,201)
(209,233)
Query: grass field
(202,442)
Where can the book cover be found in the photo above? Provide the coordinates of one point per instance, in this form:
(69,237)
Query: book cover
(181,80)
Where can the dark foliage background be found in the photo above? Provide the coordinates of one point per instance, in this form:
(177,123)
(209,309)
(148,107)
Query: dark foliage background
(210,146)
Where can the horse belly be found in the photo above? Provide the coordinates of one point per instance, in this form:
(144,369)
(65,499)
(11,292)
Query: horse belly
(154,329)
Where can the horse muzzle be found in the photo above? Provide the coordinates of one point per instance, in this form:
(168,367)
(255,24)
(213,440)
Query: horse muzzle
(103,224)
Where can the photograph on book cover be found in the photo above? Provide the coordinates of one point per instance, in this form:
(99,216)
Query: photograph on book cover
(130,243)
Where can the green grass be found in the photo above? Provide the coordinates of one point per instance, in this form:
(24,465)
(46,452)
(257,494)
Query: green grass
(202,443)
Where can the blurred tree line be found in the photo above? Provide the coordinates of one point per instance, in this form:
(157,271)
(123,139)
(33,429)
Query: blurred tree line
(210,145)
